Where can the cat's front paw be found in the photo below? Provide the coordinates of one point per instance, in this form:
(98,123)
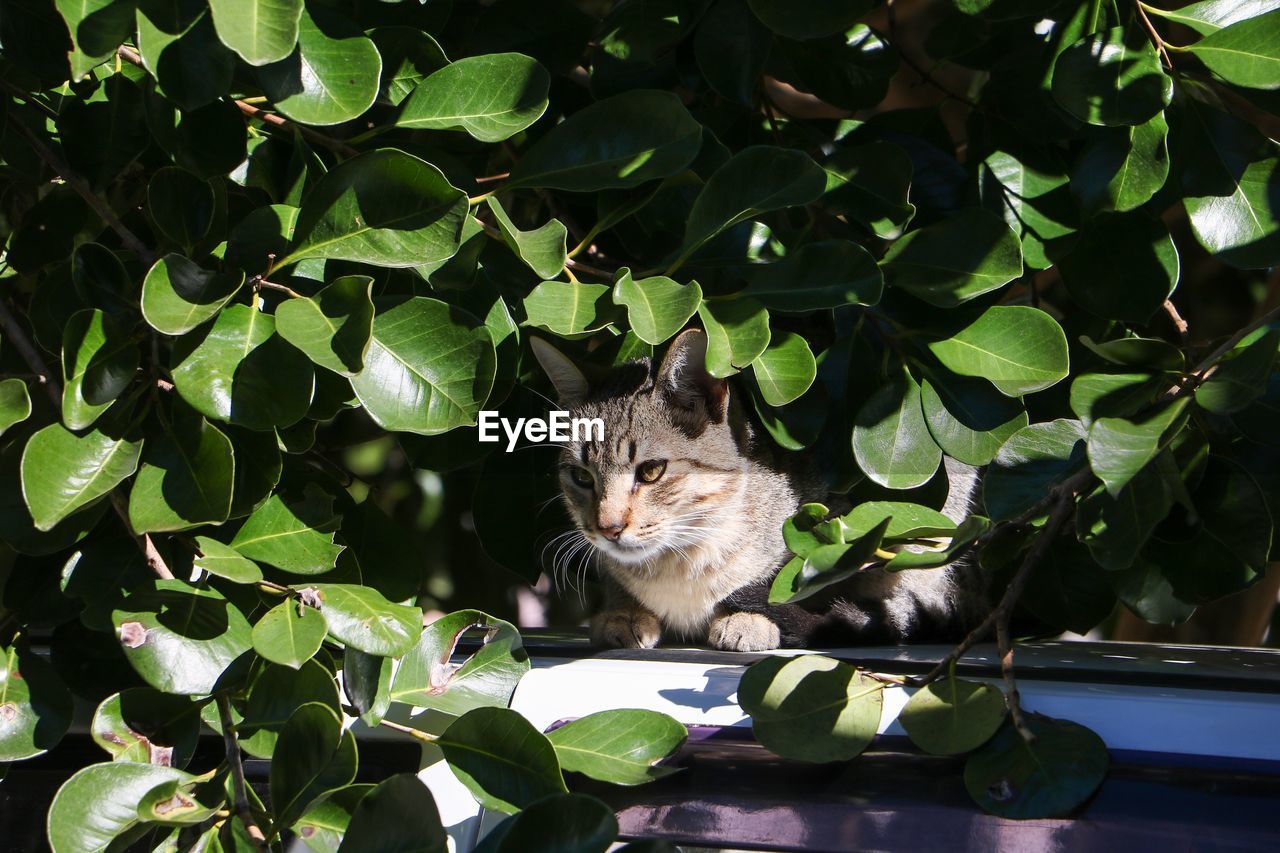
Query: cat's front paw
(743,632)
(625,629)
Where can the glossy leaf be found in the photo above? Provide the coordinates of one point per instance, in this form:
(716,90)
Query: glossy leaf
(185,480)
(409,56)
(1245,53)
(180,47)
(621,747)
(1121,169)
(1115,395)
(1241,378)
(1120,448)
(398,816)
(63,472)
(737,334)
(260,31)
(826,274)
(1029,191)
(506,763)
(571,309)
(15,403)
(891,438)
(657,307)
(180,638)
(810,707)
(144,725)
(870,184)
(1208,16)
(1123,267)
(296,537)
(224,561)
(785,369)
(967,255)
(1048,777)
(178,295)
(542,249)
(1031,462)
(34,704)
(243,372)
(333,327)
(314,756)
(1019,349)
(1114,527)
(428,677)
(99,361)
(97,28)
(951,716)
(428,369)
(382,207)
(327,79)
(492,97)
(100,803)
(969,419)
(359,616)
(558,823)
(825,565)
(618,142)
(1111,78)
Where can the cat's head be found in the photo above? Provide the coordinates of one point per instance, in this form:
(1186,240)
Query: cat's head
(669,463)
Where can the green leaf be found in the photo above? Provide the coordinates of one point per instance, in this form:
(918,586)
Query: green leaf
(826,274)
(63,472)
(1209,16)
(429,368)
(964,256)
(1115,527)
(1228,175)
(870,184)
(891,439)
(1020,349)
(562,823)
(99,361)
(785,369)
(359,616)
(1048,777)
(570,309)
(1123,267)
(1030,192)
(97,28)
(806,530)
(657,307)
(409,56)
(810,707)
(15,403)
(1144,589)
(806,19)
(327,79)
(180,47)
(1121,169)
(185,480)
(181,204)
(397,816)
(621,747)
(224,561)
(34,704)
(1110,78)
(936,555)
(631,138)
(100,803)
(333,328)
(951,716)
(1030,463)
(968,418)
(277,691)
(366,681)
(825,565)
(757,179)
(177,295)
(1246,53)
(731,47)
(296,537)
(144,725)
(1120,448)
(173,803)
(906,520)
(261,31)
(1241,378)
(492,97)
(737,334)
(1145,353)
(426,677)
(312,758)
(383,207)
(322,827)
(180,638)
(542,249)
(1113,395)
(240,370)
(505,762)
(289,634)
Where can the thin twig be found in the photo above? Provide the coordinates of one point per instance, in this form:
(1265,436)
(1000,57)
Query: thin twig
(243,811)
(1061,500)
(1176,318)
(1155,36)
(271,285)
(1230,344)
(155,562)
(18,337)
(409,730)
(488,179)
(77,183)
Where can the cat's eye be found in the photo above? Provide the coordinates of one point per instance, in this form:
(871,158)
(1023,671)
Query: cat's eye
(651,471)
(581,477)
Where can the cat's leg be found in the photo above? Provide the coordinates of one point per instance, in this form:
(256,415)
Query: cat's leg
(743,631)
(624,622)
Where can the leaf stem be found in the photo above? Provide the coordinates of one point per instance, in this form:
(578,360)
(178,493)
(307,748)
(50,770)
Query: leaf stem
(409,730)
(1156,40)
(155,562)
(234,761)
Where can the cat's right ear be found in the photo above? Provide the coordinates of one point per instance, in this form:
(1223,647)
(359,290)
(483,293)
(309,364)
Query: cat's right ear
(570,384)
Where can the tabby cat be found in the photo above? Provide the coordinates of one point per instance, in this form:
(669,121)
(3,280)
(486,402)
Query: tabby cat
(683,505)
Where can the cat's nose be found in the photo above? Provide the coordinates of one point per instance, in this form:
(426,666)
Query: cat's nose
(612,531)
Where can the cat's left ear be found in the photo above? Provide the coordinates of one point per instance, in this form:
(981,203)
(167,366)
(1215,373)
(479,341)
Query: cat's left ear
(684,378)
(570,384)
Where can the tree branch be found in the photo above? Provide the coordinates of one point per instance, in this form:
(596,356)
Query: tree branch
(155,562)
(18,337)
(243,811)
